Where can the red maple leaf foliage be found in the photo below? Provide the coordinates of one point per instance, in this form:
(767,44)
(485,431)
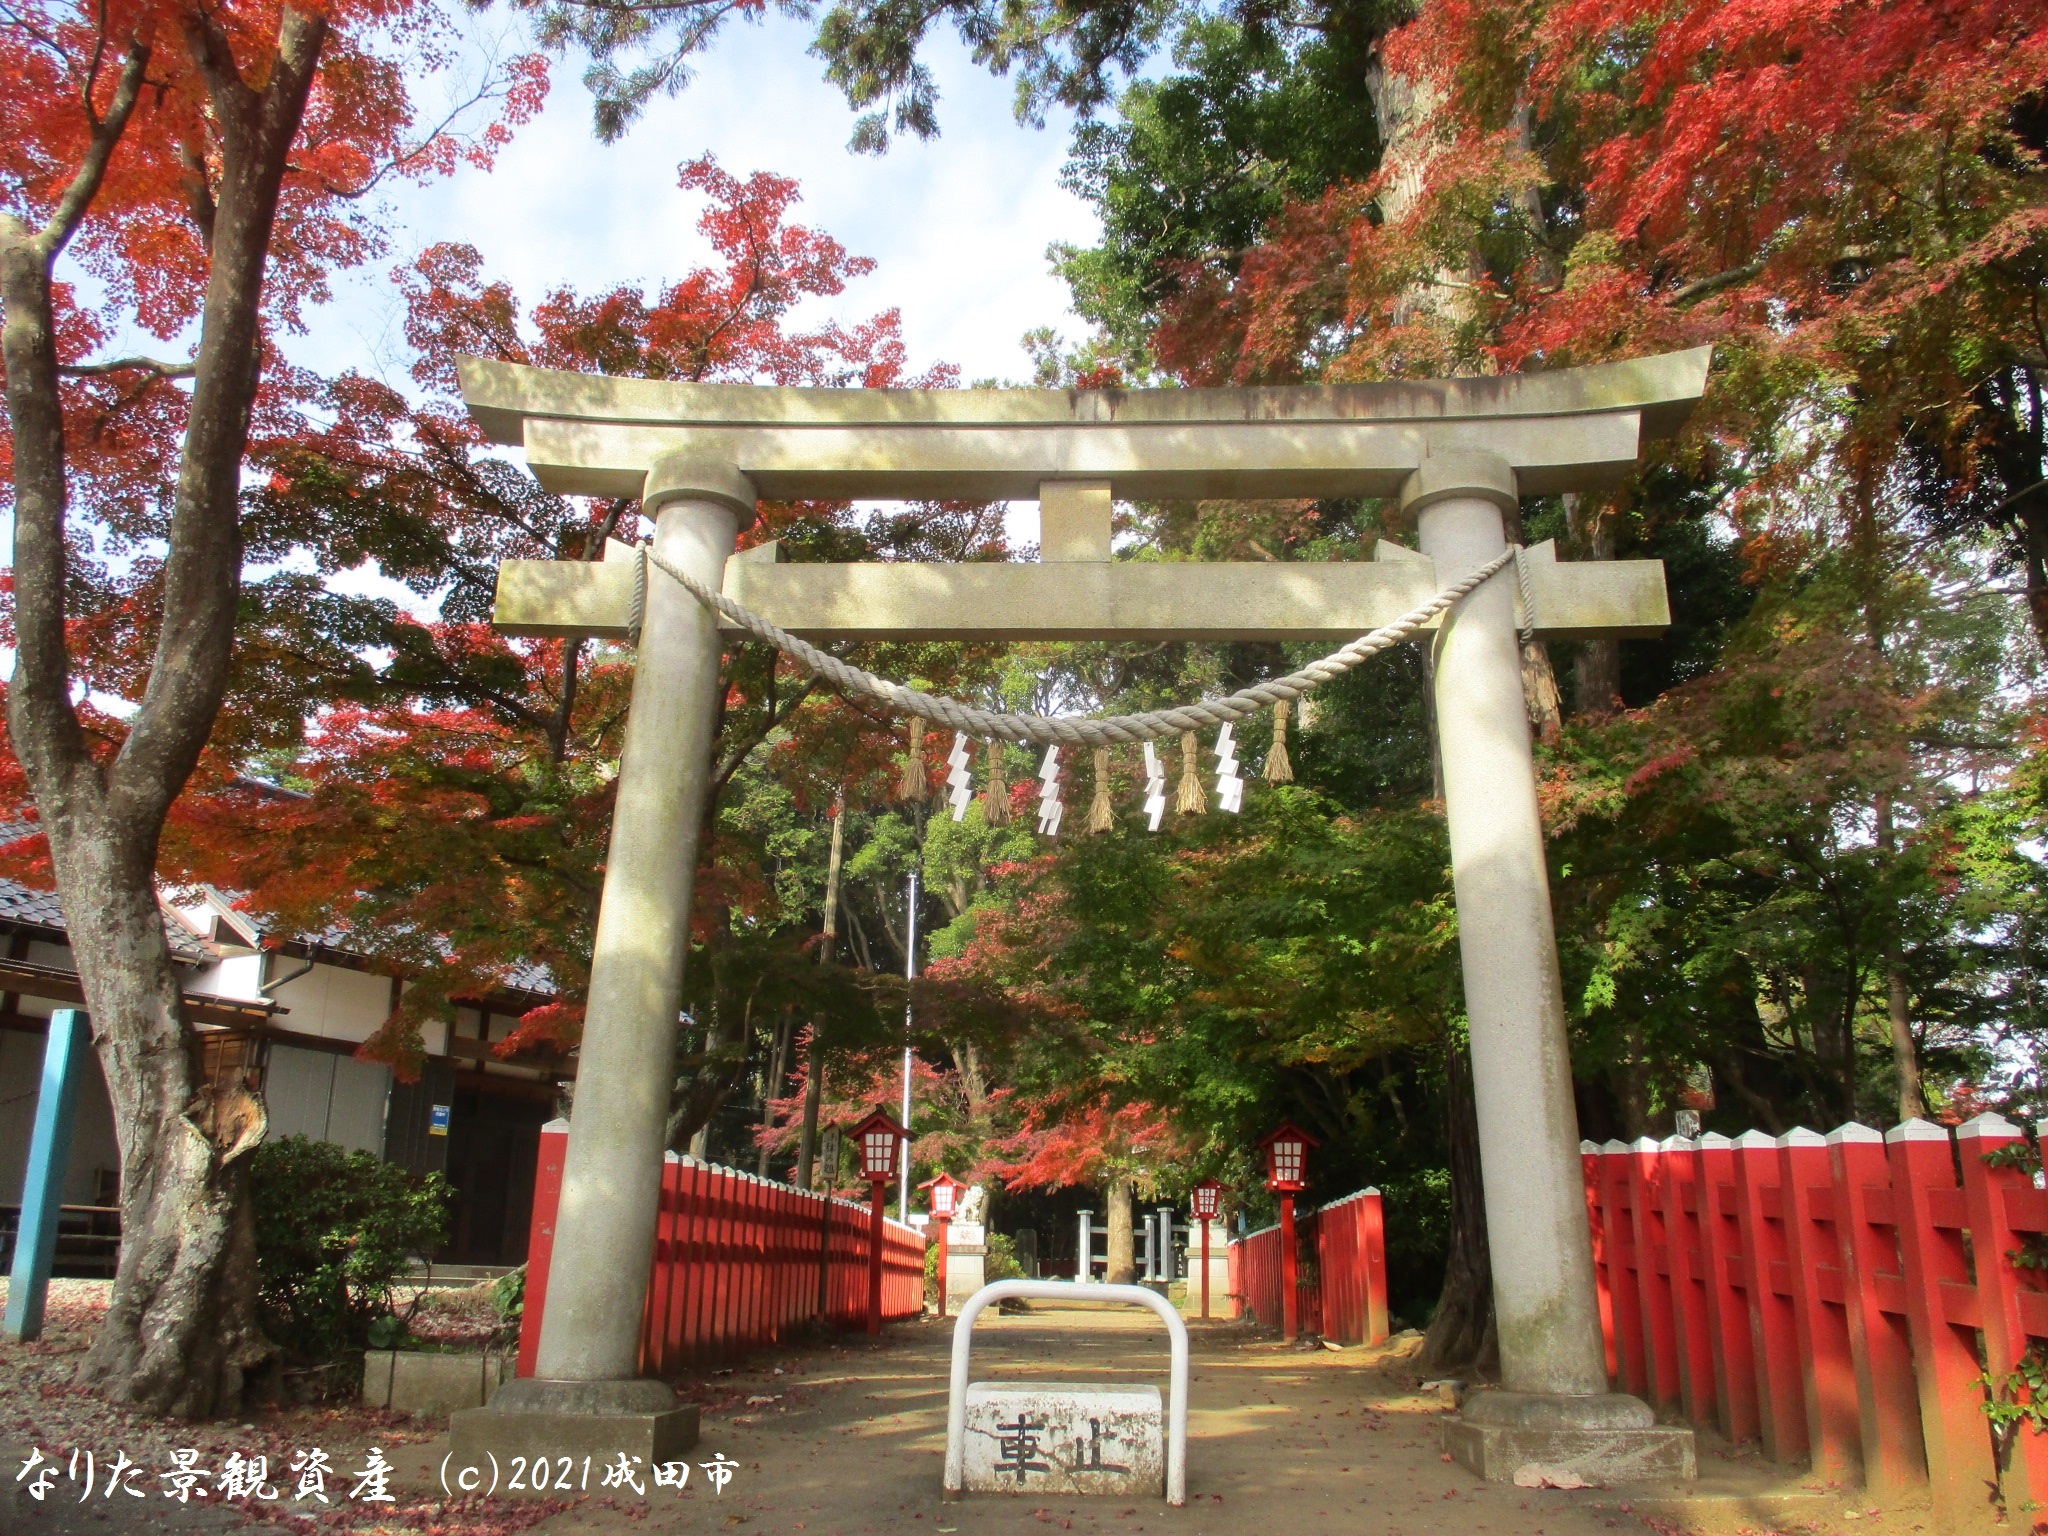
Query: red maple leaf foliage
(448,811)
(1061,1143)
(1843,198)
(144,243)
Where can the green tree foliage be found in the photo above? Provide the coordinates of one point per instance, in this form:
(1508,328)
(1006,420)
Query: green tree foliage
(1194,167)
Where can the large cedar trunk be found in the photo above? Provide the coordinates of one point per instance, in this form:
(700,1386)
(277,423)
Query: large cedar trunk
(1461,1335)
(1122,1259)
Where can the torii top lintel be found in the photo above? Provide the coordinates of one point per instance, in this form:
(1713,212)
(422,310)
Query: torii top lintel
(1568,429)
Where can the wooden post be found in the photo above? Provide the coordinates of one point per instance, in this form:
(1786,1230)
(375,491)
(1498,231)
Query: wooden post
(1781,1385)
(1682,1221)
(540,1241)
(945,1224)
(1942,1316)
(1290,1304)
(1205,1267)
(1603,1278)
(1632,1371)
(42,1194)
(1814,1254)
(1645,1165)
(1372,1242)
(1723,1264)
(2004,1208)
(1894,1455)
(877,1194)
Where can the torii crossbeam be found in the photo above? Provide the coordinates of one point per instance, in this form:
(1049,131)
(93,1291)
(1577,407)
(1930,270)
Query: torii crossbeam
(1458,452)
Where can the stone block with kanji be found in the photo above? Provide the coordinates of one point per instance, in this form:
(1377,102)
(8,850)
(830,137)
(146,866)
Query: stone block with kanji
(1038,1437)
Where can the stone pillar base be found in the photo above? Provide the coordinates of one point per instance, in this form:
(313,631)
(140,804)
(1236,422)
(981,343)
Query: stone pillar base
(598,1419)
(1609,1438)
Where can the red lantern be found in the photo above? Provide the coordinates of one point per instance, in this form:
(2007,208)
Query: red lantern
(945,1195)
(1286,1149)
(878,1138)
(1207,1199)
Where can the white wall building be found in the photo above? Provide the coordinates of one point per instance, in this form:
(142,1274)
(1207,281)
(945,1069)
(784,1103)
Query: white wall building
(288,1018)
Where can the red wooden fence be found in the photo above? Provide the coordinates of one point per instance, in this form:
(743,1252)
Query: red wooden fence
(737,1260)
(1837,1298)
(1343,1294)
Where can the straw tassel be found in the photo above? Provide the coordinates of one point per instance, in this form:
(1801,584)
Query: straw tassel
(995,804)
(1278,769)
(1191,801)
(1101,815)
(913,786)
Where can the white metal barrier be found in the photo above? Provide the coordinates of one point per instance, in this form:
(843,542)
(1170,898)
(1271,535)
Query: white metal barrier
(1061,1290)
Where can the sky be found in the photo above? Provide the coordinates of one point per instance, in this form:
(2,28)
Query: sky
(958,227)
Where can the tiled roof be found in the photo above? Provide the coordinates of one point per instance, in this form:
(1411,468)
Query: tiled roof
(41,909)
(19,904)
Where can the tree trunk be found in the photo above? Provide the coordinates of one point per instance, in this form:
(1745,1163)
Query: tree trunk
(1461,1333)
(771,1086)
(1596,671)
(1905,1052)
(180,1329)
(1898,1000)
(814,1089)
(1123,1259)
(1631,1079)
(828,943)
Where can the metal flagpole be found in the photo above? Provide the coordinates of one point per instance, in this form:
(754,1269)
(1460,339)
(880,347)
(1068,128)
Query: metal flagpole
(909,974)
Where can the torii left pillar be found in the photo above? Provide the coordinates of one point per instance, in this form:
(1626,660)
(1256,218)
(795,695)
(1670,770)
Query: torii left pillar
(585,1397)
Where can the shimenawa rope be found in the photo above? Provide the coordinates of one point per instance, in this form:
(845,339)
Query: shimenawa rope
(1081,730)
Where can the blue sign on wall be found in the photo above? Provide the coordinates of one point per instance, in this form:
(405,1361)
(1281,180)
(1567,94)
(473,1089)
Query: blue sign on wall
(437,1120)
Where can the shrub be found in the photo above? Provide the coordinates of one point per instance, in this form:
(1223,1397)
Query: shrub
(998,1263)
(334,1232)
(1001,1260)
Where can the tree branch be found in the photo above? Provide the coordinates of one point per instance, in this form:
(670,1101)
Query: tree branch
(162,370)
(1706,287)
(202,566)
(63,222)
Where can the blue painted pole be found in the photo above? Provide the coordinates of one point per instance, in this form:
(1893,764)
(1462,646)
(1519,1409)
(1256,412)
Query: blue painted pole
(42,1194)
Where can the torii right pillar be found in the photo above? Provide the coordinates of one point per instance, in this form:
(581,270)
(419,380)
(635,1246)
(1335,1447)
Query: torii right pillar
(1553,1405)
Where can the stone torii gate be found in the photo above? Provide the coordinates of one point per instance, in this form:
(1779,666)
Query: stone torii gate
(1457,452)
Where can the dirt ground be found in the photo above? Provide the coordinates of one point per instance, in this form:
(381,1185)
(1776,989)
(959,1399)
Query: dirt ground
(846,1437)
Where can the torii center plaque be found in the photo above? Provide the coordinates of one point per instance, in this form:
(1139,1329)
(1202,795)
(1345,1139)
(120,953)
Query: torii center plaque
(1457,452)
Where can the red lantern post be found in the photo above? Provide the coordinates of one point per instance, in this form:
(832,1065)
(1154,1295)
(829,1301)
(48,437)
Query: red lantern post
(1207,1199)
(945,1195)
(879,1139)
(1286,1151)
